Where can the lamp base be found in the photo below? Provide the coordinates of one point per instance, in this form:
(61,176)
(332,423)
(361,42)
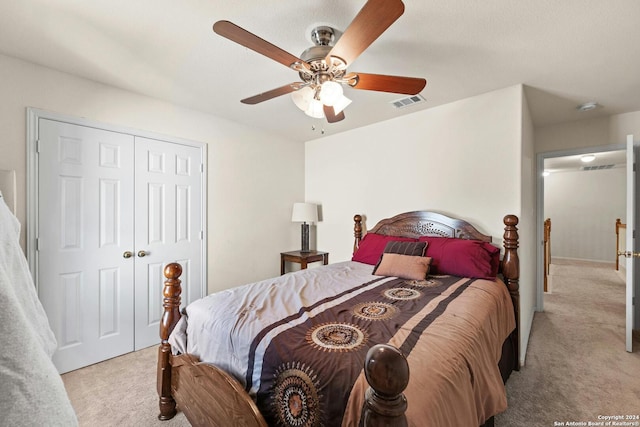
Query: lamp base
(305,238)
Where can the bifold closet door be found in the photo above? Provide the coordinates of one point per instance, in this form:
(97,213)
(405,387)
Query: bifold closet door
(85,232)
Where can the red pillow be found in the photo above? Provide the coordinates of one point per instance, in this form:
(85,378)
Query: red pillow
(372,245)
(464,258)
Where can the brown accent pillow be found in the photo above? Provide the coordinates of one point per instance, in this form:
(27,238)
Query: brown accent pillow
(372,246)
(405,248)
(403,266)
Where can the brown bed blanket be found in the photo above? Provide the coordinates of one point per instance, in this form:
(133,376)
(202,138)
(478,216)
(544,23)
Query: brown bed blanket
(298,344)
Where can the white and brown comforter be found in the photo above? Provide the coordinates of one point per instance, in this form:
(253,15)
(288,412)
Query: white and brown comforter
(298,343)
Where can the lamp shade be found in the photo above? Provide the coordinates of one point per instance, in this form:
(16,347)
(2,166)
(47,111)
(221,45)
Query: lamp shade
(304,212)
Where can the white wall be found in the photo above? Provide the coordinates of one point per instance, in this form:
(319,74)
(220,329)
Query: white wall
(599,132)
(527,230)
(583,207)
(254,178)
(453,158)
(464,159)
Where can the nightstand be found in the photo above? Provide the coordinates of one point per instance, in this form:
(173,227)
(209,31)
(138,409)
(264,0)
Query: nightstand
(303,258)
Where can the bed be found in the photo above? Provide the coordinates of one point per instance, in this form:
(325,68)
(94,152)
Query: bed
(412,344)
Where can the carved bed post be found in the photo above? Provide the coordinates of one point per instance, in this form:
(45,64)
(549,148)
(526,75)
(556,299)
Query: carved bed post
(170,317)
(357,232)
(387,372)
(511,274)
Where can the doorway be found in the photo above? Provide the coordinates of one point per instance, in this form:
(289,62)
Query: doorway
(570,172)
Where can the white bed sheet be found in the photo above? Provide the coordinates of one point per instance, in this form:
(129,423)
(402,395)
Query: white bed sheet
(241,313)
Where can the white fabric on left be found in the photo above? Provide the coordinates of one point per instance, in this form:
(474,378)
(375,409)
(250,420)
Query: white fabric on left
(31,390)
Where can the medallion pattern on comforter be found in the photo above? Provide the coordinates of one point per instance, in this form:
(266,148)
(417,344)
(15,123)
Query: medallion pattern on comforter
(304,362)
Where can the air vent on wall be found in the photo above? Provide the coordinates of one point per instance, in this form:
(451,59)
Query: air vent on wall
(595,168)
(405,102)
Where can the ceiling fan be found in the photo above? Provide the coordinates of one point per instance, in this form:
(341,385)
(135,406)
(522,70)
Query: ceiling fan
(323,67)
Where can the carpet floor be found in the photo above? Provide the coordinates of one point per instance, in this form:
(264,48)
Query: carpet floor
(119,392)
(576,367)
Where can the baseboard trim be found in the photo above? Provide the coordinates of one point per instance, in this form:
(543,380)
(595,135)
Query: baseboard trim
(606,261)
(525,339)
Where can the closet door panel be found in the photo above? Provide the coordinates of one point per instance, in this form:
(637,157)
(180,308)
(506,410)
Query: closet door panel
(169,226)
(85,224)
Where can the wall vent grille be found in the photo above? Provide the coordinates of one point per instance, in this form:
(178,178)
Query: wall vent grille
(405,102)
(596,168)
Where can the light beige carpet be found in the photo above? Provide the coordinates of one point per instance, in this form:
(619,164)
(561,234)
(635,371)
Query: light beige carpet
(119,392)
(576,367)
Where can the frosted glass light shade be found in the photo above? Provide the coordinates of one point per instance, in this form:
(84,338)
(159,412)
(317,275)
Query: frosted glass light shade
(330,93)
(315,110)
(341,104)
(302,97)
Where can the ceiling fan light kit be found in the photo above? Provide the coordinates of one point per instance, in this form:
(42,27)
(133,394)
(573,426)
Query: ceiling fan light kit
(323,67)
(312,99)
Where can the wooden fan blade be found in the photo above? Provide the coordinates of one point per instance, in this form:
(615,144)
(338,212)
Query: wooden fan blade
(245,38)
(274,93)
(392,84)
(331,115)
(372,20)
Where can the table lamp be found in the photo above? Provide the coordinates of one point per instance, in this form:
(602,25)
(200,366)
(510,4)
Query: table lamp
(305,213)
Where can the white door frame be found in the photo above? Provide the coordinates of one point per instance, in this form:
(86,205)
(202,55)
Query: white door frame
(33,116)
(630,242)
(540,158)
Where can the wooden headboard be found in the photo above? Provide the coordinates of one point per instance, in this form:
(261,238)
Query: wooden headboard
(426,223)
(420,223)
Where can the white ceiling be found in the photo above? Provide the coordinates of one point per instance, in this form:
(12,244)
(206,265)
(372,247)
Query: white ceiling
(565,52)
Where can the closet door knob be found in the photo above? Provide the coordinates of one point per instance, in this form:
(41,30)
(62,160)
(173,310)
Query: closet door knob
(127,254)
(142,254)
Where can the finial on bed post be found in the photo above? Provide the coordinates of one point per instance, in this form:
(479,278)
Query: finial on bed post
(357,232)
(387,373)
(170,317)
(511,273)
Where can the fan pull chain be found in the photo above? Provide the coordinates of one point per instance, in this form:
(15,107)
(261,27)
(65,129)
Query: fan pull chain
(313,127)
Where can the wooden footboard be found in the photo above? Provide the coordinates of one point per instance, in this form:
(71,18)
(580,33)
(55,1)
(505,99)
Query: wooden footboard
(209,396)
(510,268)
(170,316)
